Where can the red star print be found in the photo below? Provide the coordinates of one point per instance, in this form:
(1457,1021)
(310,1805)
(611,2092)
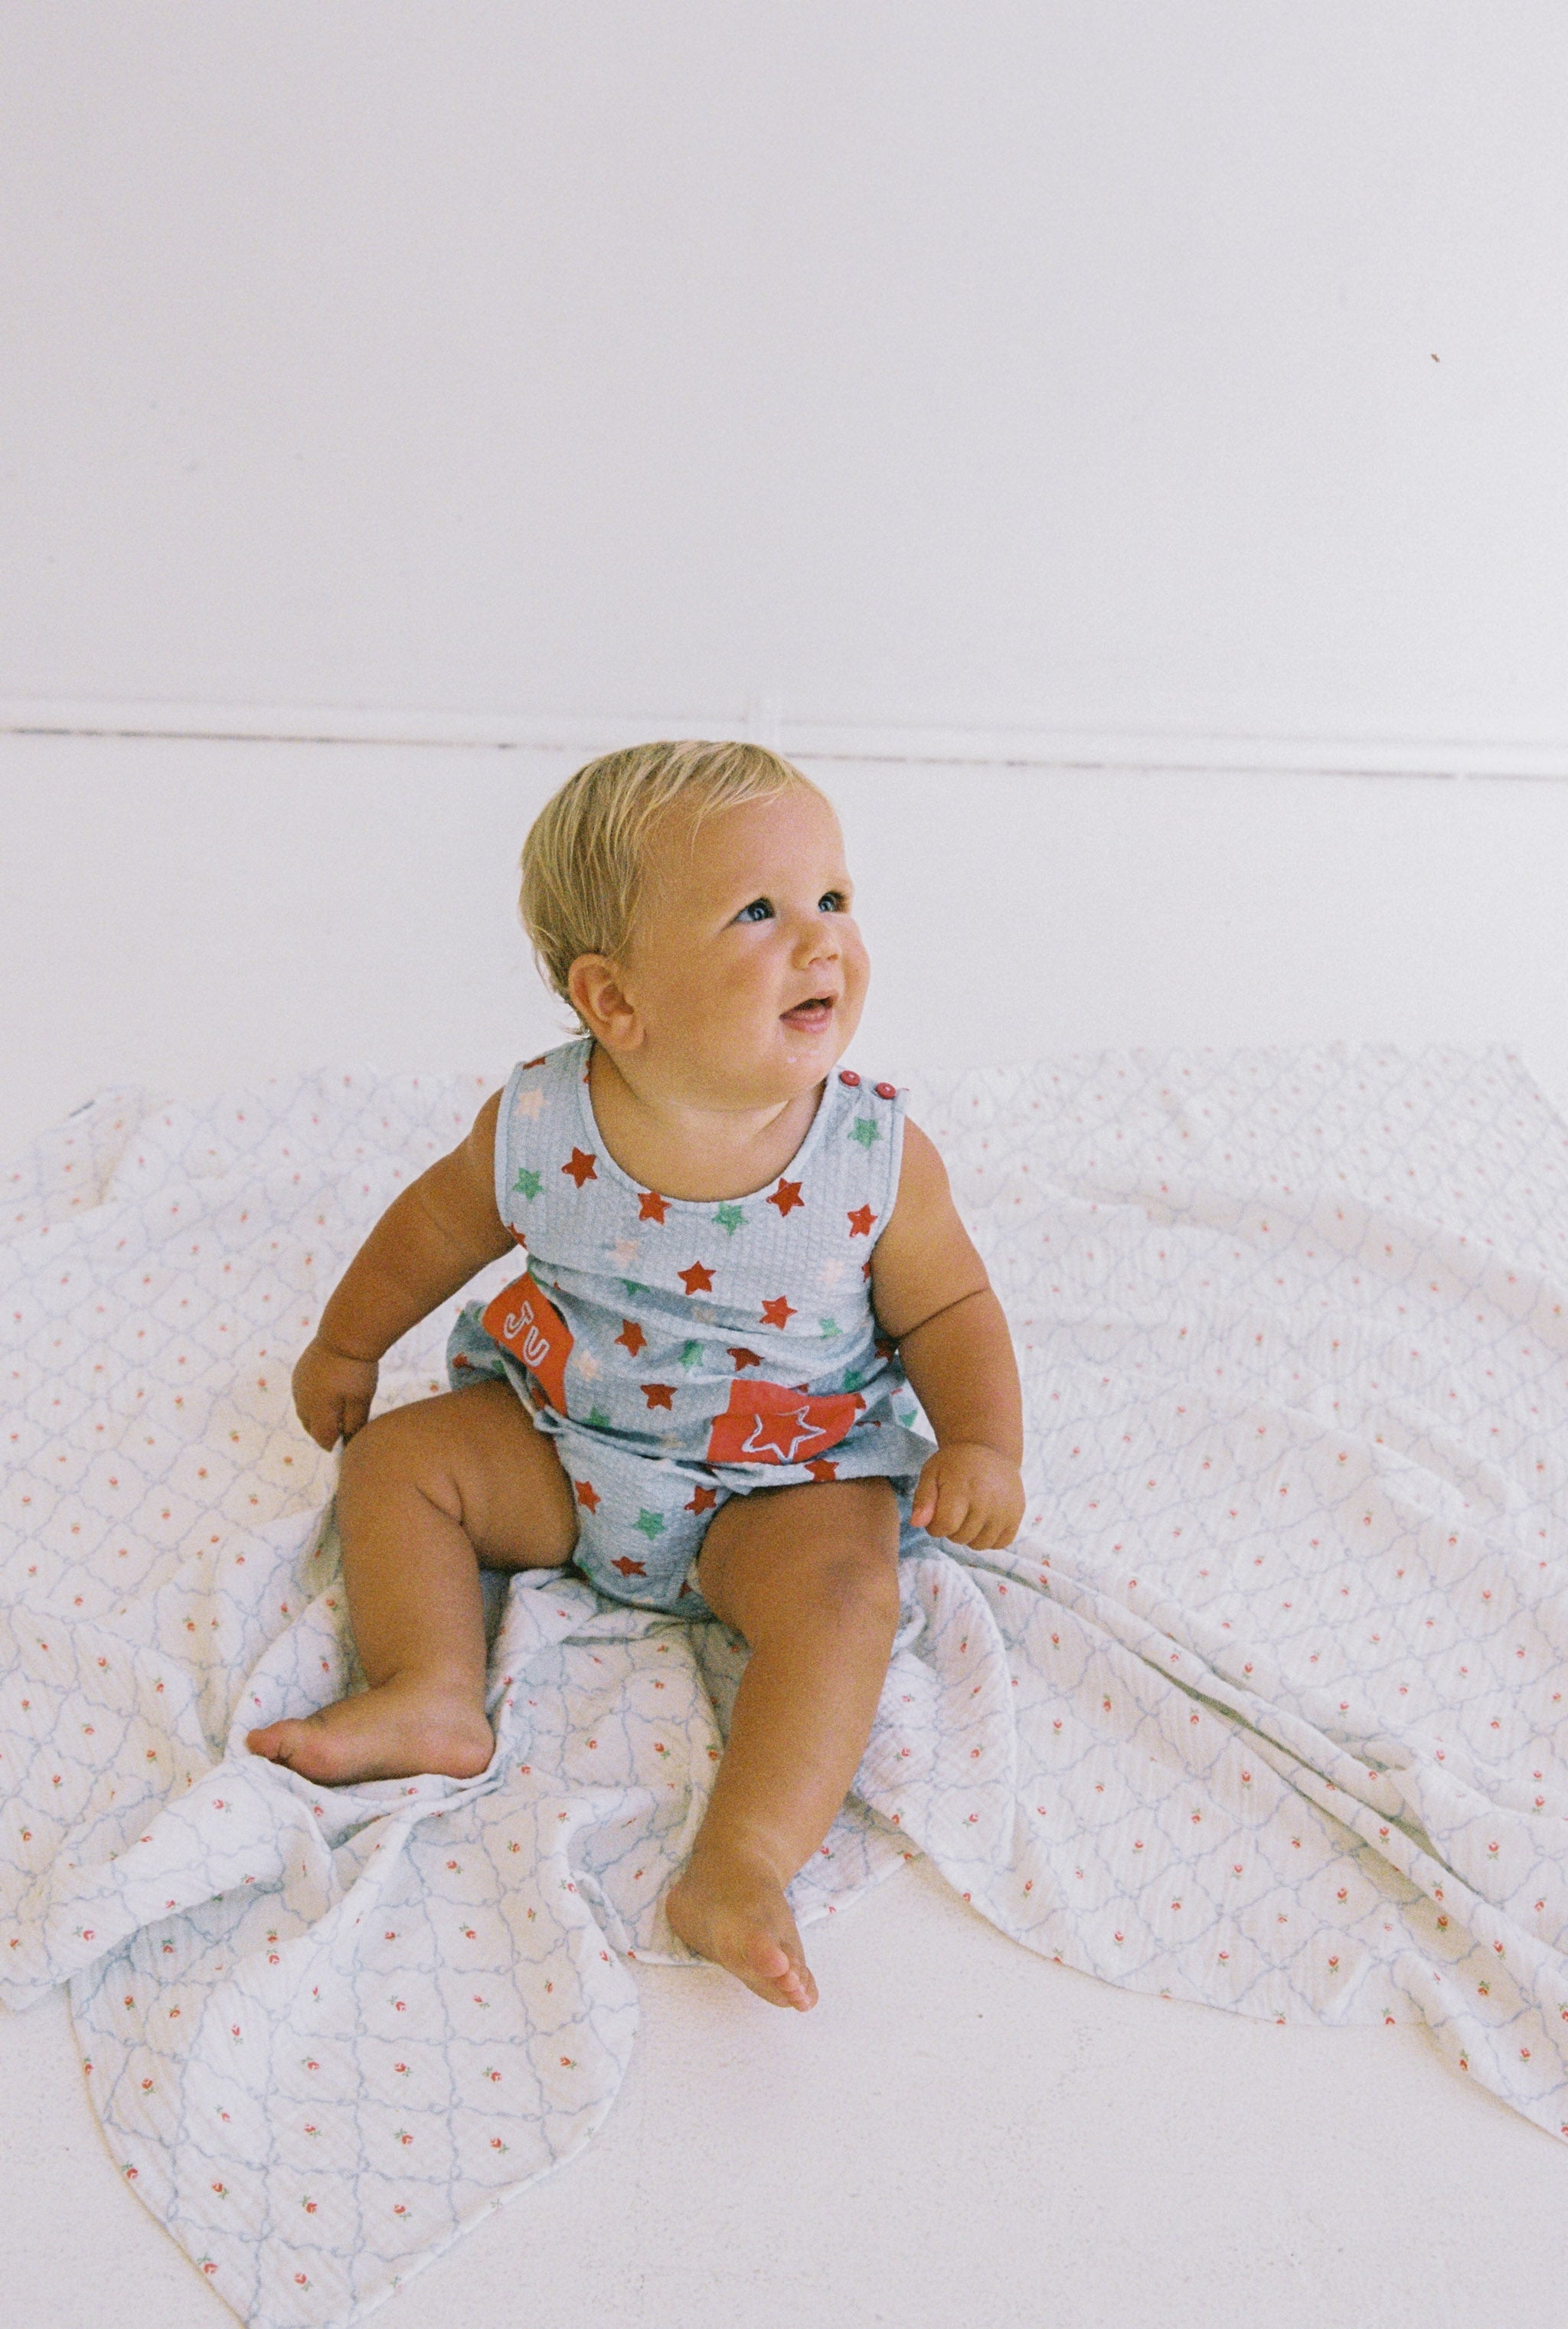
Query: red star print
(786,1196)
(703,1500)
(588,1494)
(777,1313)
(631,1337)
(657,1395)
(696,1280)
(743,1358)
(651,1206)
(860,1221)
(628,1568)
(823,1467)
(539,1063)
(581,1165)
(865,1270)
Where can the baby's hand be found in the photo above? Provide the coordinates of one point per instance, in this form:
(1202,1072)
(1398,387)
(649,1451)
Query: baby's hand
(333,1392)
(970,1495)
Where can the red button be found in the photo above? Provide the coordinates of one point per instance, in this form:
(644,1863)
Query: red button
(847,1076)
(887,1092)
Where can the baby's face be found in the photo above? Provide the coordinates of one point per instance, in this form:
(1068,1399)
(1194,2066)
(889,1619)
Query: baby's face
(746,967)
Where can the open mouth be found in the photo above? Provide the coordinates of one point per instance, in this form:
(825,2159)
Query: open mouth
(810,1016)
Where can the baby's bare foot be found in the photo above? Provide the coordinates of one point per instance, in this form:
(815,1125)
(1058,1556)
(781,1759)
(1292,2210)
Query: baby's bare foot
(406,1726)
(729,1907)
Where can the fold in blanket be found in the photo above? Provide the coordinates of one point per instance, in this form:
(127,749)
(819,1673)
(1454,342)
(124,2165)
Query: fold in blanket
(1265,1708)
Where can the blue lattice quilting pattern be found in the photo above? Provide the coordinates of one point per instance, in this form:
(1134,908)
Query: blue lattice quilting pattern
(1264,1709)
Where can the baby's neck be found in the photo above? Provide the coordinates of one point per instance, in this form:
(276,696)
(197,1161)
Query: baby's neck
(689,1150)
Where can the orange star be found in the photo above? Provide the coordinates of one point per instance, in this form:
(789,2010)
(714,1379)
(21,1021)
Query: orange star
(628,1568)
(581,1165)
(651,1206)
(631,1337)
(777,1313)
(696,1280)
(786,1196)
(743,1358)
(658,1394)
(860,1221)
(588,1494)
(823,1467)
(704,1500)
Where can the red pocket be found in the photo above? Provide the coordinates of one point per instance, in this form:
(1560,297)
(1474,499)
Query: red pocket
(533,1330)
(768,1423)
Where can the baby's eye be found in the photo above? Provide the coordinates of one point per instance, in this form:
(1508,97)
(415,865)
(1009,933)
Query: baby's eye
(831,903)
(759,911)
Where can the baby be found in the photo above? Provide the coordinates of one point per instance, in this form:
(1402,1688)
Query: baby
(744,1268)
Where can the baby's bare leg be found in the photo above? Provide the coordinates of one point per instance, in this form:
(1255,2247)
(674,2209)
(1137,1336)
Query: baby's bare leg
(810,1576)
(426,1494)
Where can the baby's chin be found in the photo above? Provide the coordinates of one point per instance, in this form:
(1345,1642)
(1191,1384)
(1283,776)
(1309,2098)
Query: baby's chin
(765,1074)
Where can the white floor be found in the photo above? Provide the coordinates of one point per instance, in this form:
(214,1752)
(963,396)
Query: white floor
(960,2133)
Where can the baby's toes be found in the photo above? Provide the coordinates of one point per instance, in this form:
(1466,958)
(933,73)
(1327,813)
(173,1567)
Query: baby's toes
(798,1988)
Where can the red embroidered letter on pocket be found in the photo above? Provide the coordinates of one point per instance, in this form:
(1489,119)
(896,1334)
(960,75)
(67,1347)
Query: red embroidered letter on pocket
(533,1330)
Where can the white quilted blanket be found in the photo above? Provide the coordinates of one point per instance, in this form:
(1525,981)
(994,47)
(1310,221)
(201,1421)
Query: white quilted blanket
(1265,1708)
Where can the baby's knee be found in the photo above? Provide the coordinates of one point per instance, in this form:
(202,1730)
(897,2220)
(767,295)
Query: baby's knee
(862,1588)
(382,1450)
(851,1574)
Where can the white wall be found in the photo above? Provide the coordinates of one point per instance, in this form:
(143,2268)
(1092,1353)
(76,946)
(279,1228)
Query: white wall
(202,914)
(1077,365)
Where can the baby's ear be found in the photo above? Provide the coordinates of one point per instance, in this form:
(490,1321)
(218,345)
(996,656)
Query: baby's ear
(594,986)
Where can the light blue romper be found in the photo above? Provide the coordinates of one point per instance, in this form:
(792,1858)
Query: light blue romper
(680,1351)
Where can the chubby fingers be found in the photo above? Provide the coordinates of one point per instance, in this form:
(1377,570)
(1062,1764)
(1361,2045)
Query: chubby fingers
(960,1502)
(322,1426)
(942,1502)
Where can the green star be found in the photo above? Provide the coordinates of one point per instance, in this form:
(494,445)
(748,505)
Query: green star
(651,1524)
(632,1288)
(598,1419)
(527,1184)
(905,1416)
(865,1129)
(830,1326)
(690,1353)
(853,1379)
(730,1218)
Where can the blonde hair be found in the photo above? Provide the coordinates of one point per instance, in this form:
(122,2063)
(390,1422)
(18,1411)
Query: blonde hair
(583,860)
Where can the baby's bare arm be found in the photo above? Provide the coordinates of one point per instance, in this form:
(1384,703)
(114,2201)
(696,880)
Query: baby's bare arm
(428,1243)
(932,1296)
